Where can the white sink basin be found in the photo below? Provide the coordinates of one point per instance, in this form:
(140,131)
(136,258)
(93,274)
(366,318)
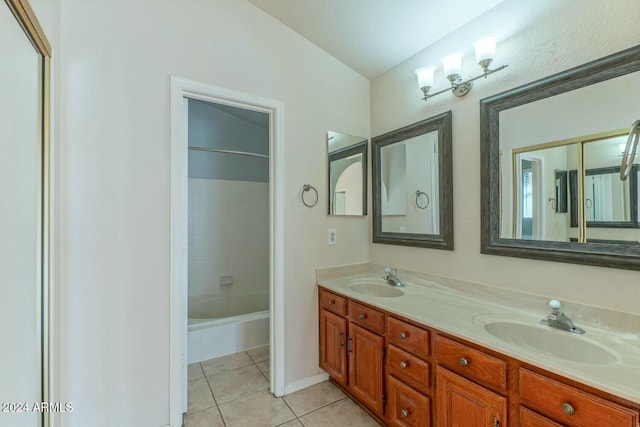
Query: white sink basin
(377,290)
(553,342)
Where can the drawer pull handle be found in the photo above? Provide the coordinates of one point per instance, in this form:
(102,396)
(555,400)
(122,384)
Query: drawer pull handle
(463,362)
(403,364)
(331,302)
(362,316)
(568,409)
(403,335)
(341,339)
(404,413)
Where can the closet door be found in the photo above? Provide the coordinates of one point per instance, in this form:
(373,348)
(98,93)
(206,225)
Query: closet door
(22,225)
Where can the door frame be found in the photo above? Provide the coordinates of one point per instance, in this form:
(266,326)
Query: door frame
(180,89)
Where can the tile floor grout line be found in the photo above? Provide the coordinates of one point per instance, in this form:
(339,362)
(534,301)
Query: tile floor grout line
(211,391)
(247,395)
(323,406)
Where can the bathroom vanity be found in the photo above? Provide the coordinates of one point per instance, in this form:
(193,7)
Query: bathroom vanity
(428,356)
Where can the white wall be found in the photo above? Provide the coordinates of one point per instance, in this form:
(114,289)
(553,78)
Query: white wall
(536,39)
(117,57)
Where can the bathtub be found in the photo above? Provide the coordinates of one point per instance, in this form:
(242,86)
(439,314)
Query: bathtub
(221,325)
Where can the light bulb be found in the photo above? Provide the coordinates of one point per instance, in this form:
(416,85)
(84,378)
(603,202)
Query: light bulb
(452,65)
(425,77)
(485,51)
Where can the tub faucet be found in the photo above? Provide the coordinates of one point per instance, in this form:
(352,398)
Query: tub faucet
(390,276)
(557,319)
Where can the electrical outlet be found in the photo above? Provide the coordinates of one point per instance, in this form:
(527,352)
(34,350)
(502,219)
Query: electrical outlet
(332,236)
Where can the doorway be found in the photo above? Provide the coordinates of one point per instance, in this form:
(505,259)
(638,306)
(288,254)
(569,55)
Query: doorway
(186,94)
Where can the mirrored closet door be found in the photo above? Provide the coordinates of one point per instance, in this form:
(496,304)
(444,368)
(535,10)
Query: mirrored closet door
(24,64)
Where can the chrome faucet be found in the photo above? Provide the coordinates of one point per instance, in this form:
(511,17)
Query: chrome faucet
(390,276)
(557,319)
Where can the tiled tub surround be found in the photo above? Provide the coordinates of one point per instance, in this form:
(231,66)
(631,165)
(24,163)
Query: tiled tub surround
(462,308)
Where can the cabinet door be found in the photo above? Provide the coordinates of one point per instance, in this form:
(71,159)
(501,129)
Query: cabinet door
(333,354)
(462,403)
(365,367)
(407,407)
(531,419)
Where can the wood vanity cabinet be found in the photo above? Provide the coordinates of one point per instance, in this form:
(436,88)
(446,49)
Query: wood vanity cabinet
(333,336)
(408,374)
(365,368)
(569,405)
(432,377)
(352,348)
(463,403)
(470,384)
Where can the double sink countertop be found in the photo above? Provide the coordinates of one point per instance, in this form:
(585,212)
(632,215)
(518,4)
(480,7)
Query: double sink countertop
(606,357)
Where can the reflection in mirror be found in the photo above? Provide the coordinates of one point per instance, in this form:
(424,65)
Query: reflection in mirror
(347,174)
(533,199)
(550,151)
(609,201)
(409,186)
(413,200)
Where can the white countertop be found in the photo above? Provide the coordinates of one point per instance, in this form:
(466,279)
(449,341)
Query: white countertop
(462,309)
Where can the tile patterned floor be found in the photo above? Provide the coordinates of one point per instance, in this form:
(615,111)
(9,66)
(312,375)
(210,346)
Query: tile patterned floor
(233,391)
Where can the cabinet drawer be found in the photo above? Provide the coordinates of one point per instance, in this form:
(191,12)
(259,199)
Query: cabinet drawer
(366,317)
(408,337)
(407,366)
(333,302)
(569,405)
(472,363)
(406,406)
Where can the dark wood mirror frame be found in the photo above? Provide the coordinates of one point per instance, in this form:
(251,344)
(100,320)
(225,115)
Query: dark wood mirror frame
(605,254)
(444,240)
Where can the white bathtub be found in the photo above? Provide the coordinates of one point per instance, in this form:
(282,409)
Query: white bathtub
(221,325)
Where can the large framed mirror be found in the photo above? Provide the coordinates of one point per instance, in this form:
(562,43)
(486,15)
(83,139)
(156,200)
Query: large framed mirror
(550,166)
(347,162)
(413,185)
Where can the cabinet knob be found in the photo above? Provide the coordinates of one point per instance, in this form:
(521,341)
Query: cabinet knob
(362,316)
(403,335)
(568,409)
(403,364)
(331,302)
(404,413)
(463,361)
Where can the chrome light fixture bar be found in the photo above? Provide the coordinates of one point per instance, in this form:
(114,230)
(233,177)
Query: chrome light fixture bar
(452,64)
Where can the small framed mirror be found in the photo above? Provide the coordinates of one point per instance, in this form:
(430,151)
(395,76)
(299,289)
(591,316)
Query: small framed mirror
(347,174)
(413,186)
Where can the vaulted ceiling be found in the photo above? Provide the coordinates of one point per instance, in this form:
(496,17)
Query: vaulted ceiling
(373,36)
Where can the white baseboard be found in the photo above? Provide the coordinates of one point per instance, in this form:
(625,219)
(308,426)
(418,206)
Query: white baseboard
(305,382)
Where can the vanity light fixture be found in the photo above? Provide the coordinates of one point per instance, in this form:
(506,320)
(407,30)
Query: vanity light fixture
(452,64)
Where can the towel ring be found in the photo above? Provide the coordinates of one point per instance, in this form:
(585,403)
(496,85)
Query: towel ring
(422,193)
(588,203)
(305,188)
